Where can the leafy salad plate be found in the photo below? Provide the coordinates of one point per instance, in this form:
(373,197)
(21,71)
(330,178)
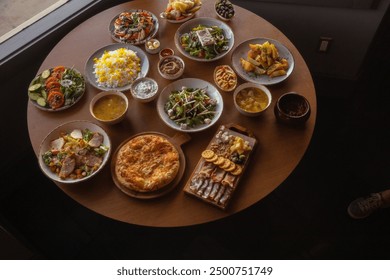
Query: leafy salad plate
(74,152)
(56,89)
(190,105)
(204,39)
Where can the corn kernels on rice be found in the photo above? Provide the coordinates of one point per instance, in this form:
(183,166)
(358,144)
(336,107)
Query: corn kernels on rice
(117,68)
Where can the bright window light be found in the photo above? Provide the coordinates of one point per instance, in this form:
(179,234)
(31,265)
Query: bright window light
(16,15)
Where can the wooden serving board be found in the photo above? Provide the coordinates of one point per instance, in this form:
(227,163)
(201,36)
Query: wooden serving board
(219,170)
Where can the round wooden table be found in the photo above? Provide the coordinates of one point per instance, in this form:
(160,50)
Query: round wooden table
(279,150)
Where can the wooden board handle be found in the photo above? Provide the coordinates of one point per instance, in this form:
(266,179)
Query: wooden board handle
(240,129)
(180,138)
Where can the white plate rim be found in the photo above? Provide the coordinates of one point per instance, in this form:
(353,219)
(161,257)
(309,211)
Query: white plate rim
(68,127)
(88,72)
(193,22)
(241,51)
(189,82)
(151,35)
(63,107)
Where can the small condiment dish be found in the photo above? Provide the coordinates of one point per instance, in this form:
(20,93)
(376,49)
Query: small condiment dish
(252,99)
(171,67)
(292,108)
(109,107)
(224,9)
(152,46)
(225,78)
(166,52)
(144,89)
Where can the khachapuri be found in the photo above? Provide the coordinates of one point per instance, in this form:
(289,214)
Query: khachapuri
(146,163)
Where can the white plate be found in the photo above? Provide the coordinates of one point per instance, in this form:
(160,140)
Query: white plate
(89,69)
(190,16)
(47,108)
(241,51)
(68,128)
(189,83)
(111,29)
(189,25)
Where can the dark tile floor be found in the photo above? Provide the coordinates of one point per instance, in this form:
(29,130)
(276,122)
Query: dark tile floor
(304,218)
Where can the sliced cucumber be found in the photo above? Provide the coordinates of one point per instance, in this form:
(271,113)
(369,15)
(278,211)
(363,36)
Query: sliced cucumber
(41,101)
(44,93)
(45,74)
(34,87)
(34,95)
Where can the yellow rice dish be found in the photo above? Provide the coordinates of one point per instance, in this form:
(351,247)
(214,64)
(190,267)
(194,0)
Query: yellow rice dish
(117,68)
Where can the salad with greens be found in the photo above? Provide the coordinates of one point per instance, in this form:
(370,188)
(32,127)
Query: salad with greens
(205,42)
(190,107)
(76,155)
(56,88)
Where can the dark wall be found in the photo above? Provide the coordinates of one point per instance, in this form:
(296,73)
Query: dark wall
(351,27)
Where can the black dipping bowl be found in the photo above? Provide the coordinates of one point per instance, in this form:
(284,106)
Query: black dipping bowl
(292,108)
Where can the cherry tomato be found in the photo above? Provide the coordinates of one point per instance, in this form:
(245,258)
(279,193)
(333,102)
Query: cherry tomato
(57,72)
(60,69)
(51,79)
(55,99)
(53,85)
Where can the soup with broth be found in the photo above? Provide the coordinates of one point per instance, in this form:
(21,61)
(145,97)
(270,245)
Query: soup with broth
(252,100)
(109,107)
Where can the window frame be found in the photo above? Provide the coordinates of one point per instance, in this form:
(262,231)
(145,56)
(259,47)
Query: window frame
(44,27)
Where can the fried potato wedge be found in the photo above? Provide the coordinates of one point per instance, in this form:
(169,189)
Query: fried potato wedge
(264,59)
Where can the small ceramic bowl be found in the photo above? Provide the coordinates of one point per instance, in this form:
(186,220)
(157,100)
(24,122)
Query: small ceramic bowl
(292,108)
(144,89)
(171,67)
(109,107)
(224,9)
(225,78)
(166,52)
(252,99)
(152,46)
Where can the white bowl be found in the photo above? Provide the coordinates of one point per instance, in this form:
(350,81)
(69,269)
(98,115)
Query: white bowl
(103,94)
(189,83)
(171,59)
(152,46)
(252,85)
(68,128)
(147,93)
(185,28)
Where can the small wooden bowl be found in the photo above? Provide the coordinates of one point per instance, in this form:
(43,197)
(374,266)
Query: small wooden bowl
(292,108)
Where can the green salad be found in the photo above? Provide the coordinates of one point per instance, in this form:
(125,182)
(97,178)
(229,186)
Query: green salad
(190,107)
(57,88)
(205,42)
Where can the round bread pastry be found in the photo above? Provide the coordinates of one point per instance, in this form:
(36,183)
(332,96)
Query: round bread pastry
(147,163)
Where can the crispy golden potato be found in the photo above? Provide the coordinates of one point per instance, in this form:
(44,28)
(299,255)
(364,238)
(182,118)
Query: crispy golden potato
(264,59)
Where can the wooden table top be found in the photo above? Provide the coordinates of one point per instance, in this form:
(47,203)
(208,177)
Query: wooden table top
(280,147)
